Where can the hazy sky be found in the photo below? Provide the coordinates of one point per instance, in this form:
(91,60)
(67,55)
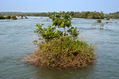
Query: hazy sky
(59,5)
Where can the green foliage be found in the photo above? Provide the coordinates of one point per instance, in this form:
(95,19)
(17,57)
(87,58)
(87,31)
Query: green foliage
(60,21)
(14,17)
(61,49)
(114,15)
(108,18)
(64,44)
(8,17)
(74,32)
(64,52)
(48,33)
(2,17)
(106,22)
(88,14)
(98,20)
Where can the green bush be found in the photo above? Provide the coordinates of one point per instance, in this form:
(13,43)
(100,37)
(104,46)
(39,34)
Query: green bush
(14,17)
(48,33)
(108,18)
(2,17)
(62,21)
(98,20)
(61,49)
(58,21)
(73,32)
(8,17)
(63,53)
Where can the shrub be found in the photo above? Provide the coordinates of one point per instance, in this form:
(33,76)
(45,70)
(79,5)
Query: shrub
(62,21)
(14,17)
(106,22)
(98,20)
(2,17)
(108,18)
(8,17)
(63,53)
(73,32)
(48,33)
(57,21)
(61,49)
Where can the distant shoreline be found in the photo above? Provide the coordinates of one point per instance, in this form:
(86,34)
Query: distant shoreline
(85,14)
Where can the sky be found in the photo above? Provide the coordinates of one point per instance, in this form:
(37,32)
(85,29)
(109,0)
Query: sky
(107,6)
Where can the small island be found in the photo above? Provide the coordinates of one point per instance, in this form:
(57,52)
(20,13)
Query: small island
(61,49)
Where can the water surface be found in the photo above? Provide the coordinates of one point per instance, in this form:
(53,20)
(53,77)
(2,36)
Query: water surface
(16,38)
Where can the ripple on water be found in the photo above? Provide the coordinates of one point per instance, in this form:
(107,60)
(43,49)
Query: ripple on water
(16,40)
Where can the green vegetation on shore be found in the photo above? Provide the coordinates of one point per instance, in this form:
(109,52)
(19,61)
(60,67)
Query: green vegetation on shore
(114,15)
(86,14)
(13,17)
(8,17)
(61,49)
(98,20)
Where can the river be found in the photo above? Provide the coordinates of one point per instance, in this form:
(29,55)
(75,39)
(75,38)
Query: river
(16,37)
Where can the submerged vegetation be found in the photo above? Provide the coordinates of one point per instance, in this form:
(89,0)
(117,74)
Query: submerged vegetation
(61,49)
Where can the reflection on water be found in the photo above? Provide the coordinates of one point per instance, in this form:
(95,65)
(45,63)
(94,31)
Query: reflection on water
(16,41)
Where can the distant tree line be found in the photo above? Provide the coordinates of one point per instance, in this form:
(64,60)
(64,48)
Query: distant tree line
(86,14)
(8,17)
(114,15)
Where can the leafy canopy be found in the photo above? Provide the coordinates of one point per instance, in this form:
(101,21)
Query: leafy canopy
(49,32)
(58,21)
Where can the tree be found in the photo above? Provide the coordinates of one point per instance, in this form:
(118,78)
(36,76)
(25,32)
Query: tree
(58,21)
(48,33)
(60,50)
(62,21)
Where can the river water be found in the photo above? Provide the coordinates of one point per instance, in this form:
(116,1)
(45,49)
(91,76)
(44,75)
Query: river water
(16,38)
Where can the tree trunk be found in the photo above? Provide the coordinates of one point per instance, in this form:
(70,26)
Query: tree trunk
(64,31)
